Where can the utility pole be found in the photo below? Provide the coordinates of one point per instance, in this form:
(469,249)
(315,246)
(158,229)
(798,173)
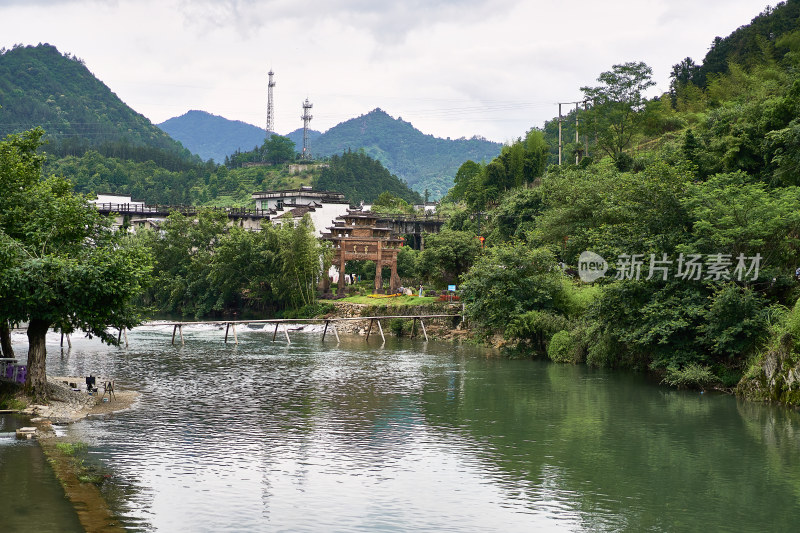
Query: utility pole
(559,134)
(577,140)
(306,155)
(586,135)
(270,108)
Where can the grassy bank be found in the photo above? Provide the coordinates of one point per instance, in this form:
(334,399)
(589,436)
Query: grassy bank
(390,301)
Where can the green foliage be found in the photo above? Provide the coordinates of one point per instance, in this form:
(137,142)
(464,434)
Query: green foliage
(735,321)
(447,256)
(692,376)
(618,108)
(400,326)
(204,267)
(313,310)
(519,163)
(389,203)
(515,215)
(49,272)
(407,259)
(508,281)
(754,43)
(535,328)
(61,264)
(362,178)
(561,347)
(71,448)
(422,161)
(41,87)
(275,150)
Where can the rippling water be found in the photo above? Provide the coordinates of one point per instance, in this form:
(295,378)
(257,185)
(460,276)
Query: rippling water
(416,436)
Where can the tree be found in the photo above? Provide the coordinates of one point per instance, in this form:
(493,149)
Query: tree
(389,203)
(448,255)
(468,172)
(508,281)
(61,263)
(279,149)
(682,74)
(617,105)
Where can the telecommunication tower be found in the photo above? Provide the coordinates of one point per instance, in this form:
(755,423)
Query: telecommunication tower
(306,119)
(270,107)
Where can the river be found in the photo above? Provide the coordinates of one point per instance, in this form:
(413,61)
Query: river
(416,436)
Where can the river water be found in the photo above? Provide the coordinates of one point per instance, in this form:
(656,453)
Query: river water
(415,436)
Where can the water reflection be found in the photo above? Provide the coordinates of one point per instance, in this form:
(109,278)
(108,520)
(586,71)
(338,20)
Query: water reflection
(415,436)
(31,499)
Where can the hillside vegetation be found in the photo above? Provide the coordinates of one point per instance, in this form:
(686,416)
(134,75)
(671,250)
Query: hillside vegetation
(690,205)
(40,87)
(103,146)
(422,161)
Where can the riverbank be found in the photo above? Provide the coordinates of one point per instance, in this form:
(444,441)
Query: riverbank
(440,328)
(85,485)
(66,405)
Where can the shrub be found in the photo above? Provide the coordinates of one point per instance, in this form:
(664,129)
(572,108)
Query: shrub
(690,376)
(560,348)
(535,327)
(310,310)
(602,351)
(399,326)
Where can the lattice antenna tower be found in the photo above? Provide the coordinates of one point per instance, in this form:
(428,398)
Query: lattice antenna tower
(270,105)
(306,119)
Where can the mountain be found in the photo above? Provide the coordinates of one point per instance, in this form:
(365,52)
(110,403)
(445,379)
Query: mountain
(297,137)
(215,137)
(423,161)
(211,136)
(41,87)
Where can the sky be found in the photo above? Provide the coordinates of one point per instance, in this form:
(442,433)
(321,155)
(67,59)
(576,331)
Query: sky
(452,68)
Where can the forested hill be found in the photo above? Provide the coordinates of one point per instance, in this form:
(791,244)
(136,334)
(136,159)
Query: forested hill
(214,137)
(750,45)
(211,136)
(41,87)
(423,161)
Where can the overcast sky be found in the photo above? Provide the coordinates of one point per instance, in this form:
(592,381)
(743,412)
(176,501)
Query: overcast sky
(452,68)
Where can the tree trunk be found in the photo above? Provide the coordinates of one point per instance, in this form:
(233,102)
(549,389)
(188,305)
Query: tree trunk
(36,380)
(6,349)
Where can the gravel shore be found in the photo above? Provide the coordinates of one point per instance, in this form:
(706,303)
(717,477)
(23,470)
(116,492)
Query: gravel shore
(66,405)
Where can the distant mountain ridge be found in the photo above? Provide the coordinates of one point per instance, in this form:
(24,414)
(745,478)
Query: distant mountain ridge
(423,161)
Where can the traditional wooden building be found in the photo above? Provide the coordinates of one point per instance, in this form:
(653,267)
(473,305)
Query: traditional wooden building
(357,236)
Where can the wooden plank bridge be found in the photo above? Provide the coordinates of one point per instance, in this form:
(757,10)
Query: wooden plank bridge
(329,323)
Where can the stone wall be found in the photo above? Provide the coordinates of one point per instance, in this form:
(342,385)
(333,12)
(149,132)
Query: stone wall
(775,377)
(436,327)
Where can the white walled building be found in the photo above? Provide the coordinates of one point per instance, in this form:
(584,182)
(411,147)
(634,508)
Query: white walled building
(322,206)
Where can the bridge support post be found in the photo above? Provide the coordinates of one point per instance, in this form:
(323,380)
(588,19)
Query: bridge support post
(380,328)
